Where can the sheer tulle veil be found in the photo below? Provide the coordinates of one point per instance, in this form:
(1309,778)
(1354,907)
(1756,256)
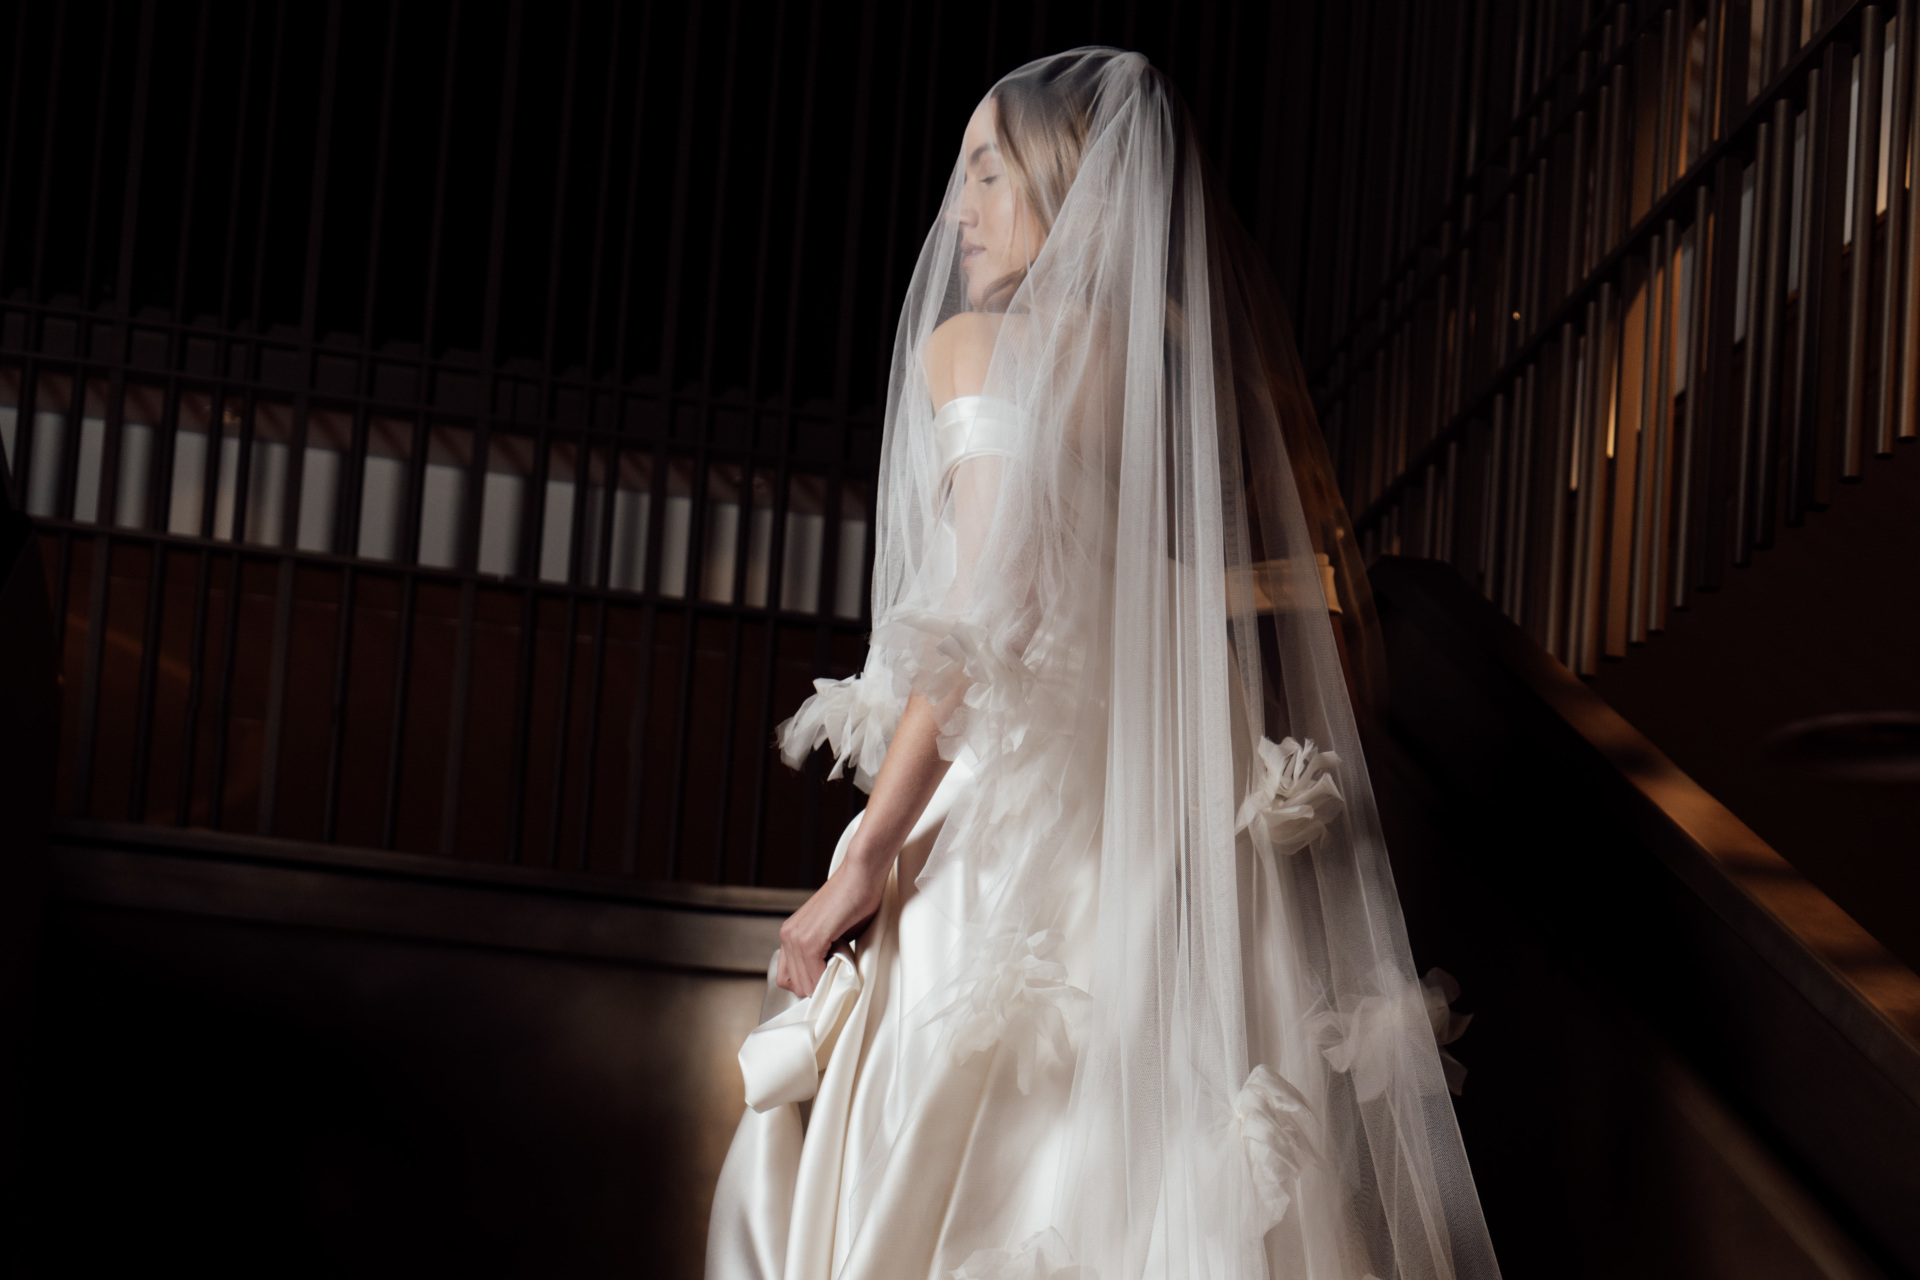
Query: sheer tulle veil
(1171,870)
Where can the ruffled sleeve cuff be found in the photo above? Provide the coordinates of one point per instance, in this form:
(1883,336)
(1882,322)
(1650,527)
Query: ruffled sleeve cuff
(855,717)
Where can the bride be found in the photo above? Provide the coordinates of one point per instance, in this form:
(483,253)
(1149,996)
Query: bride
(1108,979)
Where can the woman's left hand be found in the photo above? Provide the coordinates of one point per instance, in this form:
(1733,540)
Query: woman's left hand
(838,909)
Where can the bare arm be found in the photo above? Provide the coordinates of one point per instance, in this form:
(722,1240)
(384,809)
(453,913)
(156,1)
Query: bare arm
(956,361)
(848,900)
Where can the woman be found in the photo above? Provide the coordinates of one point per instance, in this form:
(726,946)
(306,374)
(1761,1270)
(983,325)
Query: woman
(1128,992)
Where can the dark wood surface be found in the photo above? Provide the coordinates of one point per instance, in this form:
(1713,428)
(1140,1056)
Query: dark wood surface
(1639,881)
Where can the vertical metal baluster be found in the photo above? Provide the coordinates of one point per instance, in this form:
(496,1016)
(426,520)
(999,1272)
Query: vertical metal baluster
(649,571)
(1623,492)
(1887,384)
(1589,513)
(1449,504)
(1506,297)
(809,836)
(25,414)
(1534,299)
(1652,335)
(643,703)
(526,555)
(203,596)
(1392,159)
(1346,302)
(276,694)
(91,673)
(1906,411)
(578,555)
(743,508)
(237,528)
(1462,336)
(1605,378)
(1565,437)
(563,705)
(1660,530)
(596,678)
(782,476)
(346,533)
(1489,548)
(116,414)
(13,487)
(1866,176)
(1816,230)
(1754,269)
(1686,507)
(467,548)
(1597,226)
(1727,70)
(451,768)
(1524,38)
(1519,503)
(196,679)
(1576,266)
(397,719)
(696,532)
(1772,281)
(770,649)
(337,702)
(157,519)
(1664,100)
(114,411)
(409,550)
(527,643)
(1619,165)
(287,536)
(1714,528)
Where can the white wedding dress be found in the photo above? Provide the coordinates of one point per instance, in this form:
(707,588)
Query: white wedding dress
(1138,1003)
(805,1193)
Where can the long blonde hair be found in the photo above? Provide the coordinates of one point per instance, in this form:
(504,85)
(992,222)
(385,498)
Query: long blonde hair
(1042,126)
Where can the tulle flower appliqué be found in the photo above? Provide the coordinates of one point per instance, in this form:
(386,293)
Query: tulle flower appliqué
(1365,1042)
(1274,1129)
(1292,796)
(1044,1256)
(855,716)
(1439,989)
(1013,993)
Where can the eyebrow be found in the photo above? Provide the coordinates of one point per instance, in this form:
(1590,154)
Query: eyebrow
(979,151)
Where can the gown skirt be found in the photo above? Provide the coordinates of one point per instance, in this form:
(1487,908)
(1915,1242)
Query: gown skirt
(874,1145)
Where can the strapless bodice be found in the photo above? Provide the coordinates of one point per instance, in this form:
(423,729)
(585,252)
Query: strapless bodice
(974,427)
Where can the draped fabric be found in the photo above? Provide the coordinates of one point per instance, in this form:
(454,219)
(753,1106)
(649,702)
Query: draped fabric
(1140,1000)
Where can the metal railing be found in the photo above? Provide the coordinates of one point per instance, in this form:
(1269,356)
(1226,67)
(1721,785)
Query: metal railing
(1662,321)
(451,426)
(270,624)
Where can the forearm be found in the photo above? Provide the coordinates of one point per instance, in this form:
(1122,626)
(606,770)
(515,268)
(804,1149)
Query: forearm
(907,781)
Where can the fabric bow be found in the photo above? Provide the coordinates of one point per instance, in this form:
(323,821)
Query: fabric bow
(1274,1127)
(783,1056)
(1292,796)
(1013,994)
(1366,1041)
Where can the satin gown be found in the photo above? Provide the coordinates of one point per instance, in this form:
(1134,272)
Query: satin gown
(871,1148)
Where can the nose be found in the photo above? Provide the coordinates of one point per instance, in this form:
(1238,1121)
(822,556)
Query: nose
(963,214)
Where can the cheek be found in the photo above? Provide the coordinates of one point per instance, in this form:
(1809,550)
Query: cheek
(1002,217)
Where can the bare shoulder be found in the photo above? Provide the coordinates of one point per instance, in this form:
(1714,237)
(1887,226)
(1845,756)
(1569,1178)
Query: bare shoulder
(958,354)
